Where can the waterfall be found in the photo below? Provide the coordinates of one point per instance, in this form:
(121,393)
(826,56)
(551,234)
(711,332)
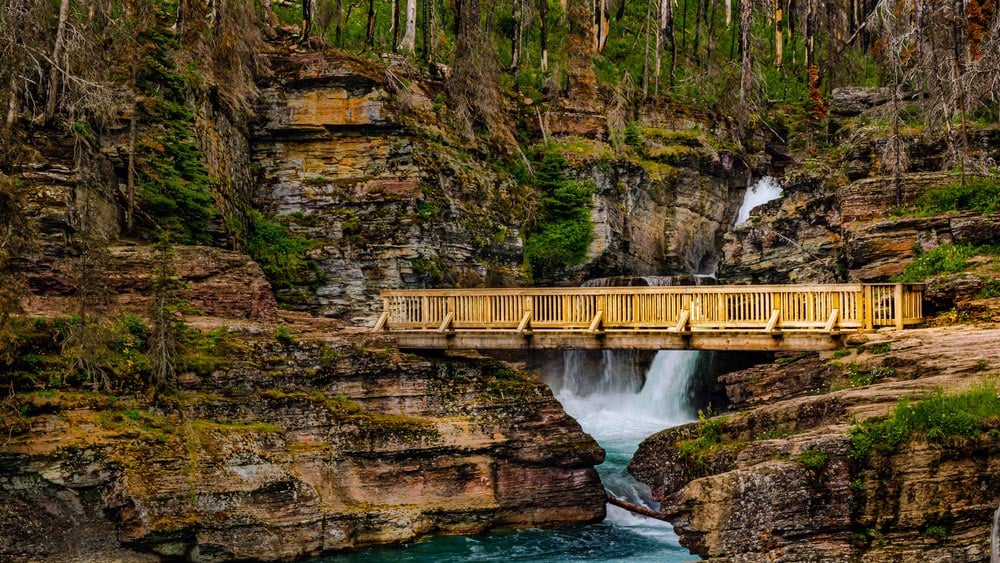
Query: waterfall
(621,408)
(765,190)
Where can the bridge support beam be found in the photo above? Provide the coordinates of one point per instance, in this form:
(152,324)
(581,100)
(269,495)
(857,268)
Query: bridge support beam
(731,340)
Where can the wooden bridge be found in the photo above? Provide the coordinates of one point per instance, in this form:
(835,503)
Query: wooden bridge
(773,317)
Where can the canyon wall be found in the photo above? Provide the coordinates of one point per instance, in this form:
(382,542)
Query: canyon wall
(291,450)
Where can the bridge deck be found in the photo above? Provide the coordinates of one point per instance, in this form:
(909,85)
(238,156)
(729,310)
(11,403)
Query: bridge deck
(774,317)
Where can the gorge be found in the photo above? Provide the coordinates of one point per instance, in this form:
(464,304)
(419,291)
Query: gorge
(195,228)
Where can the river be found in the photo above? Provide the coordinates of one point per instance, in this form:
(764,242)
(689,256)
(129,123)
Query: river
(619,410)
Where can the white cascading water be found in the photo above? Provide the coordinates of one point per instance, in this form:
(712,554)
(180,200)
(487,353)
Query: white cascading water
(766,189)
(619,410)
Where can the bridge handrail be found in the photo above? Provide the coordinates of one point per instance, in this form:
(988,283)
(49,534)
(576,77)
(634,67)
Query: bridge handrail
(741,307)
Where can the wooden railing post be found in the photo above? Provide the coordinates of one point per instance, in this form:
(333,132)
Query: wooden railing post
(898,306)
(868,306)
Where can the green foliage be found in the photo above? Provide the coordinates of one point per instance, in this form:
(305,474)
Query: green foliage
(633,134)
(938,531)
(977,193)
(281,254)
(882,348)
(283,335)
(426,210)
(837,354)
(175,191)
(563,231)
(946,258)
(205,352)
(816,460)
(990,289)
(939,419)
(710,432)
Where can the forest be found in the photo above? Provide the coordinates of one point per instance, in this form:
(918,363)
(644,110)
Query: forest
(136,81)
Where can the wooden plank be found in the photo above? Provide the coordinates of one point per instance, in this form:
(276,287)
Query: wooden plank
(525,324)
(832,321)
(640,308)
(596,323)
(897,305)
(446,324)
(772,323)
(799,341)
(683,321)
(381,324)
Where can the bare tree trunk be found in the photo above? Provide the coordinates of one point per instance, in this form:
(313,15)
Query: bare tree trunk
(808,33)
(779,32)
(544,18)
(746,76)
(621,11)
(729,12)
(12,103)
(338,17)
(658,49)
(432,26)
(667,29)
(517,15)
(645,57)
(699,15)
(601,22)
(370,35)
(55,72)
(711,34)
(395,26)
(409,43)
(307,14)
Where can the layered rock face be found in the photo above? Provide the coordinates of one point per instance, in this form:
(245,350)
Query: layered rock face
(667,219)
(842,221)
(295,450)
(781,481)
(356,161)
(360,164)
(214,282)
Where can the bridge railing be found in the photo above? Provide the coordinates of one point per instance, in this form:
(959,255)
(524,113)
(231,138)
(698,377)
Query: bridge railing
(772,307)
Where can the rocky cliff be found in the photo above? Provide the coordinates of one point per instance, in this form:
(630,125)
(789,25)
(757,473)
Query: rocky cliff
(292,449)
(360,160)
(785,479)
(848,215)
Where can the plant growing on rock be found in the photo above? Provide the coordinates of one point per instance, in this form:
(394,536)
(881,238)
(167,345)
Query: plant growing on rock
(562,231)
(941,418)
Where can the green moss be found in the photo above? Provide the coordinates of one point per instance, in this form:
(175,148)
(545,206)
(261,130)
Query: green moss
(882,348)
(814,460)
(842,352)
(202,426)
(709,440)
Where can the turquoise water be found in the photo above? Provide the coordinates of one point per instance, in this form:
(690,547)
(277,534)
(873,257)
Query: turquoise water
(618,419)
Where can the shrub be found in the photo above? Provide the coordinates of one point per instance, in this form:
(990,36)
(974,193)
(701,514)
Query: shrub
(283,335)
(281,254)
(940,419)
(978,193)
(815,460)
(947,258)
(563,231)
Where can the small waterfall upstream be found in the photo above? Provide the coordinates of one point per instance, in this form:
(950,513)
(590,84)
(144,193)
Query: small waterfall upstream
(764,190)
